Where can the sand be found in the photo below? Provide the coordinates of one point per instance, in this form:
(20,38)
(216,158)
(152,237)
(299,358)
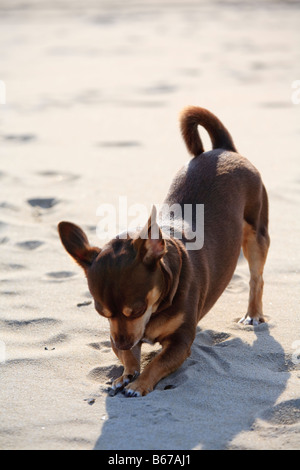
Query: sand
(93,93)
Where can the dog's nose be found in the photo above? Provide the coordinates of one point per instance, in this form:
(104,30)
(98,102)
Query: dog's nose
(123,343)
(124,346)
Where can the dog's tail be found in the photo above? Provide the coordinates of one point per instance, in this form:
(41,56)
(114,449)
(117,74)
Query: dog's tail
(192,117)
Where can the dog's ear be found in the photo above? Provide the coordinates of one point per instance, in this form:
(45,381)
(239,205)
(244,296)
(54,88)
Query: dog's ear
(150,244)
(77,245)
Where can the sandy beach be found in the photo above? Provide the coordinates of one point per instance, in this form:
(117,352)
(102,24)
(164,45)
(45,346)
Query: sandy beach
(93,91)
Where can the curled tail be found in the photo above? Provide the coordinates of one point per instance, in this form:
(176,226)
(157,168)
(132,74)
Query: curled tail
(192,117)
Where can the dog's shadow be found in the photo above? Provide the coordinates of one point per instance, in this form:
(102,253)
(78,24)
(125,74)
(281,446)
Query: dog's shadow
(217,393)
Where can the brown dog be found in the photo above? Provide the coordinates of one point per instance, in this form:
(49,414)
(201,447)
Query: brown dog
(153,288)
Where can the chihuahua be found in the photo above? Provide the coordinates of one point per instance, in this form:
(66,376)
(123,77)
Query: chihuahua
(154,289)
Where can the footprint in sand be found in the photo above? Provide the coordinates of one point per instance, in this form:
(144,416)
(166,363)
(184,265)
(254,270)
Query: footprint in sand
(60,275)
(105,374)
(19,138)
(30,245)
(10,293)
(120,144)
(11,267)
(51,343)
(33,322)
(160,88)
(43,203)
(103,346)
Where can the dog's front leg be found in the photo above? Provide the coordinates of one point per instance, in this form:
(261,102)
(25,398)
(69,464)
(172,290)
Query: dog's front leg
(131,362)
(175,351)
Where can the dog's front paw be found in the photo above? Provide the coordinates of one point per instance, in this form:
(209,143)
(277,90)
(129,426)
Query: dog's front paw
(119,384)
(138,388)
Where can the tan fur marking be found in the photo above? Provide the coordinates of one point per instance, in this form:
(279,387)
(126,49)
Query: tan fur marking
(136,327)
(114,331)
(127,311)
(106,313)
(256,254)
(153,297)
(162,328)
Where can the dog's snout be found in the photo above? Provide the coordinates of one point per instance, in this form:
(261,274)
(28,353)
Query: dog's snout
(123,343)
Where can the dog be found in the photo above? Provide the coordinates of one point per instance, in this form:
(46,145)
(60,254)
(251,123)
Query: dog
(154,289)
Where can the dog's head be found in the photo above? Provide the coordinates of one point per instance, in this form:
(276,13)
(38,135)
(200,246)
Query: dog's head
(127,278)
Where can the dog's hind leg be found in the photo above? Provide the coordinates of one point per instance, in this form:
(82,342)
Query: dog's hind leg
(256,244)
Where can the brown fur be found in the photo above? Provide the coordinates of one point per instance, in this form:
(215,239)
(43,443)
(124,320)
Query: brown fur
(157,290)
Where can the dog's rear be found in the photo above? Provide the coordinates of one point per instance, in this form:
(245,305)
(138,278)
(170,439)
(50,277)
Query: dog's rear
(236,209)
